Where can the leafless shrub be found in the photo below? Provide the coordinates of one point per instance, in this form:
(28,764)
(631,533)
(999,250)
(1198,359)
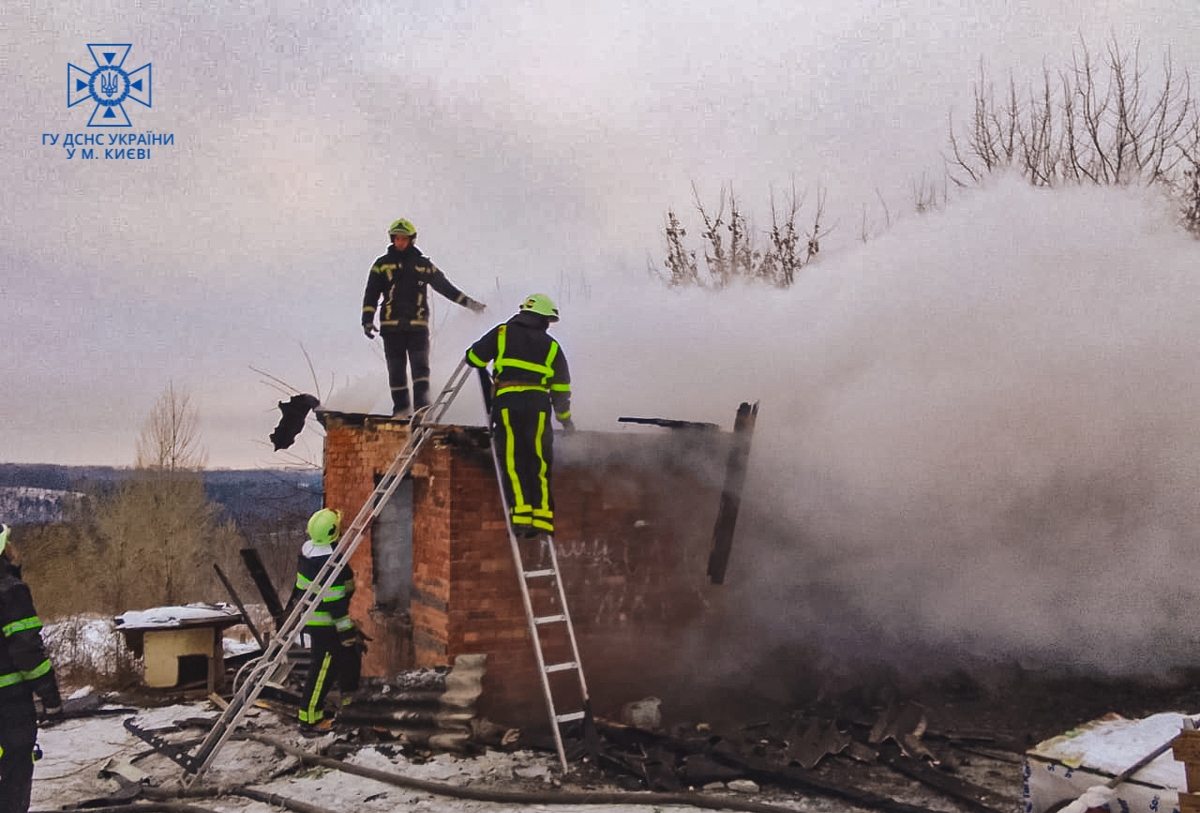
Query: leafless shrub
(733,251)
(1190,203)
(1096,122)
(680,262)
(927,196)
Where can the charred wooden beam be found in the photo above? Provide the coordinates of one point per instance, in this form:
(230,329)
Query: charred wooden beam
(671,423)
(237,602)
(972,795)
(763,772)
(262,581)
(731,494)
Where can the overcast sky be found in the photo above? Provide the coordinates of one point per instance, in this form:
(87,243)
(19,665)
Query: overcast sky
(536,145)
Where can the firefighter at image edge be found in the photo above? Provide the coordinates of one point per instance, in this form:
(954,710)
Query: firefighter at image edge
(25,671)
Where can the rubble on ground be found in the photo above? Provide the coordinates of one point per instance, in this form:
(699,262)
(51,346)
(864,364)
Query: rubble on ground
(954,748)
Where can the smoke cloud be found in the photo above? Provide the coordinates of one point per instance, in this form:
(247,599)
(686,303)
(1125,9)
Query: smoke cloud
(977,440)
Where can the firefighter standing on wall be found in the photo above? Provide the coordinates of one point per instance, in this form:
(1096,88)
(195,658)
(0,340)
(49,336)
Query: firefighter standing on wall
(334,641)
(25,671)
(530,380)
(401,278)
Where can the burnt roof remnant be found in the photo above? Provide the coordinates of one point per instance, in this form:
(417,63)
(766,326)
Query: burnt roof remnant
(731,494)
(670,423)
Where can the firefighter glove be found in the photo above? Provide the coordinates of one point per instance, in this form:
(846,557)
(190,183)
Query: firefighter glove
(568,426)
(369,330)
(349,637)
(476,306)
(52,714)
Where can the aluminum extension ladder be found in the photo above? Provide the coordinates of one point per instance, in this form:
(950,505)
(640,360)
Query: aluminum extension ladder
(557,618)
(277,651)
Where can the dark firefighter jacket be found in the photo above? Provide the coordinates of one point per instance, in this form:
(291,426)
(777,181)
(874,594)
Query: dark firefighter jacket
(24,666)
(525,357)
(401,278)
(334,608)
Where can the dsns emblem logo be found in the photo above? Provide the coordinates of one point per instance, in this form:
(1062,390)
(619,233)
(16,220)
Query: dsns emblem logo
(109,86)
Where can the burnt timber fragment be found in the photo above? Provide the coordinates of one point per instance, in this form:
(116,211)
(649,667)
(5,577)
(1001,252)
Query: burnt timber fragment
(294,413)
(731,494)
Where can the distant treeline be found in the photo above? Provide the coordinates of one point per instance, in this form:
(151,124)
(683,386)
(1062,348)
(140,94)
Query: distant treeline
(243,494)
(104,540)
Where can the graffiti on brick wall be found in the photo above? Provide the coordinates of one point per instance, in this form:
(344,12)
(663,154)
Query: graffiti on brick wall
(612,584)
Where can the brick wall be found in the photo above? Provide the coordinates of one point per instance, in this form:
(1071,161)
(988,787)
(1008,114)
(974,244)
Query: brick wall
(358,449)
(635,514)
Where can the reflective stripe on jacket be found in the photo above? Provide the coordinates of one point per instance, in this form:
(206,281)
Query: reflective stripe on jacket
(525,357)
(400,279)
(334,607)
(23,658)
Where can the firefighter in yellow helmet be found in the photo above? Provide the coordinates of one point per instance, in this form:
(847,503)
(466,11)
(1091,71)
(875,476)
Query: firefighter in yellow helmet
(25,672)
(530,381)
(400,279)
(331,636)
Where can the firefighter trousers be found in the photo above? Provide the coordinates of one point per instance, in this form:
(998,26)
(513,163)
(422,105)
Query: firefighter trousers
(404,348)
(330,662)
(18,735)
(524,442)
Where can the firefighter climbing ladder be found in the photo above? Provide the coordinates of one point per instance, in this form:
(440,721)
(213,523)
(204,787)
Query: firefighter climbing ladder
(544,573)
(277,651)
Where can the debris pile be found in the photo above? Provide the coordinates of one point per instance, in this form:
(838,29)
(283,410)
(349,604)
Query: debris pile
(809,753)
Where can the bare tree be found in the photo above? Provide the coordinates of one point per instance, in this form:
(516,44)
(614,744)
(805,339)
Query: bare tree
(732,249)
(1095,122)
(151,537)
(170,437)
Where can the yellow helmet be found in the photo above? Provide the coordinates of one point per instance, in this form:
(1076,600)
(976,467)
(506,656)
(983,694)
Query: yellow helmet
(542,305)
(404,227)
(325,526)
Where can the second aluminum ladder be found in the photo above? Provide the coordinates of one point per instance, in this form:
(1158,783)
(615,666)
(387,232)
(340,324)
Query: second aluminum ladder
(277,650)
(537,566)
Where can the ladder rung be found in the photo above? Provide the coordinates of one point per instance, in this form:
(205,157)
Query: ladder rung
(539,574)
(549,619)
(569,716)
(561,667)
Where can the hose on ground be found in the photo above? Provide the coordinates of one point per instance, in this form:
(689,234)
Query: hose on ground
(521,797)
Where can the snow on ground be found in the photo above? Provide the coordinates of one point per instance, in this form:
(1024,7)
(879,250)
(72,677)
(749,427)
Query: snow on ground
(175,616)
(79,754)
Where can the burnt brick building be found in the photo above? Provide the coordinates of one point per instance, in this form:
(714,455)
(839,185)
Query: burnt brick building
(635,518)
